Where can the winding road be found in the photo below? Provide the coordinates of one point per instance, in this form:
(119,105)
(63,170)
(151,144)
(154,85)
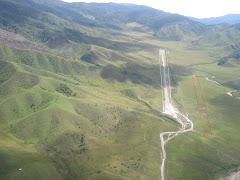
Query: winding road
(230,93)
(168,108)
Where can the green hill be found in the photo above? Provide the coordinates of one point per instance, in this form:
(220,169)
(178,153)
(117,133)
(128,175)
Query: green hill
(39,21)
(222,36)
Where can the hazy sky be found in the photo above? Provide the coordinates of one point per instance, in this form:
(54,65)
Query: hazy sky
(194,8)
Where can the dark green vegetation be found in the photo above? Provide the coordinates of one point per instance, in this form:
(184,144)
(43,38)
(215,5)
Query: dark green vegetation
(80,92)
(64,89)
(235,55)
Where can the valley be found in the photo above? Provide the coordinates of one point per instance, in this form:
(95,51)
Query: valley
(104,91)
(168,108)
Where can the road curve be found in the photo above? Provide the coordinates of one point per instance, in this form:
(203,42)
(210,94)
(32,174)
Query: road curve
(168,108)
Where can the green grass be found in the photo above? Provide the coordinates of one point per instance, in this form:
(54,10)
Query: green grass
(218,155)
(103,128)
(16,154)
(80,116)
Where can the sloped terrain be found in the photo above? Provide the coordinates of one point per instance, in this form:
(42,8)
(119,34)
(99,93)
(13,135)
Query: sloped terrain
(229,19)
(222,36)
(81,98)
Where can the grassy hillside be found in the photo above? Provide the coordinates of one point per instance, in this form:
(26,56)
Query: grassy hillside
(224,37)
(48,103)
(217,155)
(40,21)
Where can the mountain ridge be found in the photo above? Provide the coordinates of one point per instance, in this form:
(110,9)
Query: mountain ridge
(229,18)
(80,13)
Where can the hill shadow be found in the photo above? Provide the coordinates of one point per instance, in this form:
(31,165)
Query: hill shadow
(139,74)
(177,73)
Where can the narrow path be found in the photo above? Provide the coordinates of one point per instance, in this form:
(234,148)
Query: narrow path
(169,109)
(230,93)
(213,81)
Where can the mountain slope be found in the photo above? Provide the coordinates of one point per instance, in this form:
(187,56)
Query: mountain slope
(229,18)
(155,19)
(73,96)
(222,36)
(44,19)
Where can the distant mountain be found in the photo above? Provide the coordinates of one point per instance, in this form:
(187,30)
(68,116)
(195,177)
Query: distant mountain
(165,25)
(47,18)
(224,36)
(229,18)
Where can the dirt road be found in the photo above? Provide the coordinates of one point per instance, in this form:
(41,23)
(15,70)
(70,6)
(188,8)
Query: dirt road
(228,93)
(233,176)
(168,108)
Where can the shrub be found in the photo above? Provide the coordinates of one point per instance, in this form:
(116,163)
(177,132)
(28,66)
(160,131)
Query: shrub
(64,89)
(87,58)
(223,60)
